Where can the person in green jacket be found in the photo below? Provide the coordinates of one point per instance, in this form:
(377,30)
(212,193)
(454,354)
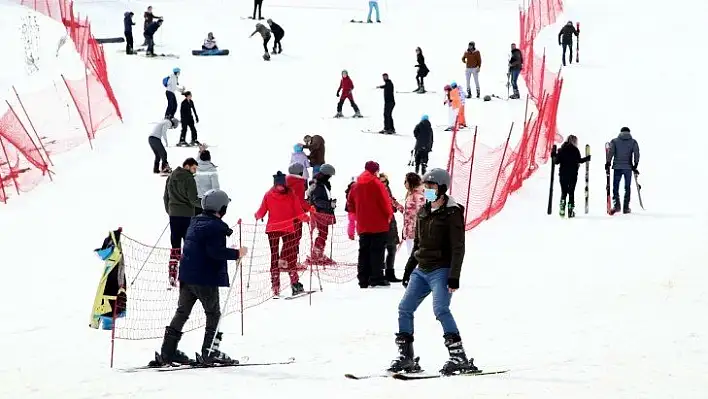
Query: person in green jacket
(180,200)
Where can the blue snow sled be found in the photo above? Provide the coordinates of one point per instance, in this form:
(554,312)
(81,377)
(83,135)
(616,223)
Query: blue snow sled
(210,52)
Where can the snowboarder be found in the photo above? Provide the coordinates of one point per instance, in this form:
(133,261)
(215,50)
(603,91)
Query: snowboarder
(257,5)
(206,177)
(202,271)
(128,31)
(185,112)
(278,34)
(148,18)
(373,6)
(434,266)
(370,202)
(344,92)
(265,34)
(473,60)
(320,196)
(299,157)
(283,208)
(316,145)
(392,240)
(149,34)
(389,104)
(423,134)
(171,83)
(422,71)
(565,39)
(210,43)
(516,63)
(181,201)
(156,139)
(624,151)
(568,160)
(414,201)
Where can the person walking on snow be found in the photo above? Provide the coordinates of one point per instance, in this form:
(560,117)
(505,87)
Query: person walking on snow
(316,145)
(265,34)
(128,31)
(392,240)
(156,139)
(434,267)
(278,34)
(373,6)
(171,86)
(565,39)
(473,61)
(299,157)
(206,177)
(344,92)
(423,134)
(568,160)
(421,72)
(185,112)
(320,196)
(623,154)
(389,104)
(282,208)
(414,201)
(202,271)
(516,63)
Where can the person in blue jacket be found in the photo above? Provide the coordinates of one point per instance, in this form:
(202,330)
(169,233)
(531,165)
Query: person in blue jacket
(128,31)
(203,269)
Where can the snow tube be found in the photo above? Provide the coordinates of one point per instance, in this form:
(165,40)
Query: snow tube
(210,52)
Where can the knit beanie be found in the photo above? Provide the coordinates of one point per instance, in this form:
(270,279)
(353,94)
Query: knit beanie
(371,167)
(279,179)
(296,169)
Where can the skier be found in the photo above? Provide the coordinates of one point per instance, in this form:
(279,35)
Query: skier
(202,271)
(624,156)
(282,208)
(297,183)
(373,6)
(451,110)
(565,39)
(568,160)
(257,5)
(370,202)
(265,34)
(185,112)
(516,63)
(389,104)
(149,35)
(422,71)
(171,84)
(344,92)
(148,18)
(320,196)
(438,252)
(473,60)
(206,177)
(128,31)
(210,43)
(414,201)
(316,145)
(157,137)
(298,157)
(392,240)
(181,201)
(423,134)
(458,105)
(278,34)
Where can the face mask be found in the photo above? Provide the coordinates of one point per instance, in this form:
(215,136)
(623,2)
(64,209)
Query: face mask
(430,194)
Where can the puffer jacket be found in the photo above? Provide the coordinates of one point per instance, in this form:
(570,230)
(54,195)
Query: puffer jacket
(624,150)
(205,253)
(317,150)
(282,208)
(414,201)
(207,177)
(393,238)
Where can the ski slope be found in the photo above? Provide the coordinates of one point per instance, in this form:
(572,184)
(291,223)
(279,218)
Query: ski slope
(596,307)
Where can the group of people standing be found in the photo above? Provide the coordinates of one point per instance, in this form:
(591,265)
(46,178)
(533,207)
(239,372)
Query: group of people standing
(151,24)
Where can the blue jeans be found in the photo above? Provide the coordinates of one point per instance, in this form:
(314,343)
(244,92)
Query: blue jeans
(373,5)
(420,286)
(627,174)
(515,79)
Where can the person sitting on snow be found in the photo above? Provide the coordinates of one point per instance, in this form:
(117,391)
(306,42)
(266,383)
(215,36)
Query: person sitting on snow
(210,42)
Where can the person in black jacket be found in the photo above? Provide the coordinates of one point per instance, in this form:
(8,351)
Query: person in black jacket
(148,17)
(423,134)
(257,5)
(565,39)
(389,104)
(422,70)
(516,63)
(128,31)
(320,197)
(278,34)
(150,37)
(185,111)
(568,160)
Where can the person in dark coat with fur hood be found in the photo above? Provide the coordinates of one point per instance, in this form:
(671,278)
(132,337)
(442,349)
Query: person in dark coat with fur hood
(423,134)
(393,239)
(320,196)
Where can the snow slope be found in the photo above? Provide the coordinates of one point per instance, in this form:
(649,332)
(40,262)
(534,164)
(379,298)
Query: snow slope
(594,307)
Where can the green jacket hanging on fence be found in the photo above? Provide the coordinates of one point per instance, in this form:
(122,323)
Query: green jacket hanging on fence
(181,193)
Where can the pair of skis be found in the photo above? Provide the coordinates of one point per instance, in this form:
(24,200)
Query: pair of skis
(243,362)
(610,209)
(554,151)
(421,375)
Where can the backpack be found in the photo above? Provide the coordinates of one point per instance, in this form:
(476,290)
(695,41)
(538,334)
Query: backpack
(165,80)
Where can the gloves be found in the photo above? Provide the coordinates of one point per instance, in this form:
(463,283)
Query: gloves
(587,158)
(405,280)
(338,93)
(607,167)
(453,283)
(634,169)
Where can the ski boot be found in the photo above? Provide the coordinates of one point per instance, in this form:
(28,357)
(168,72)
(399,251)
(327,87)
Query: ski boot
(182,143)
(571,211)
(405,362)
(477,93)
(625,208)
(339,114)
(616,207)
(422,89)
(469,93)
(195,143)
(169,354)
(298,289)
(166,169)
(458,362)
(357,114)
(561,212)
(214,356)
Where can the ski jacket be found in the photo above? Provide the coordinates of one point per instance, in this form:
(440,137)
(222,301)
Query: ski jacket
(160,130)
(128,22)
(345,87)
(472,58)
(278,32)
(565,36)
(568,160)
(317,150)
(263,31)
(422,68)
(205,255)
(439,240)
(423,134)
(392,238)
(370,202)
(207,177)
(172,83)
(321,195)
(282,208)
(624,150)
(301,158)
(298,185)
(152,27)
(186,109)
(346,195)
(414,201)
(516,62)
(180,196)
(388,92)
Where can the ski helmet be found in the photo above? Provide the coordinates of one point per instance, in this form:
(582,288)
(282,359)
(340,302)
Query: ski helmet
(453,85)
(175,123)
(440,177)
(487,98)
(297,148)
(176,70)
(424,118)
(327,169)
(215,200)
(296,169)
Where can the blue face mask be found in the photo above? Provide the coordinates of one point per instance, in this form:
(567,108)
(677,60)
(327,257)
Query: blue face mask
(430,194)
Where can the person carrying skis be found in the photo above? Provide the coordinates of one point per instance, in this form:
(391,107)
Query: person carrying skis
(565,39)
(389,104)
(171,83)
(210,43)
(422,71)
(149,35)
(344,92)
(623,153)
(423,134)
(568,160)
(298,157)
(202,271)
(414,201)
(207,175)
(185,113)
(316,145)
(128,31)
(473,60)
(434,267)
(278,34)
(320,197)
(148,18)
(265,34)
(516,63)
(392,240)
(156,139)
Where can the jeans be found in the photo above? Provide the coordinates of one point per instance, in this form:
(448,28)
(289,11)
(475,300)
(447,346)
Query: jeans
(627,174)
(373,6)
(474,74)
(171,104)
(160,154)
(515,79)
(420,285)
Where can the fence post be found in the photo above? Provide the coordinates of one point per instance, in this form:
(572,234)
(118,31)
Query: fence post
(88,100)
(76,104)
(24,110)
(501,165)
(9,165)
(44,166)
(469,179)
(240,245)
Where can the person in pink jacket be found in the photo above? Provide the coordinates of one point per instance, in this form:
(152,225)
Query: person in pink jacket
(414,201)
(351,216)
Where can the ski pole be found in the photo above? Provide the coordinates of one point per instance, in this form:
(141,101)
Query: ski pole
(250,261)
(149,254)
(228,296)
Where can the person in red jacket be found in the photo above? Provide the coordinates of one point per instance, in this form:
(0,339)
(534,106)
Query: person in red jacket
(296,182)
(371,204)
(345,92)
(282,207)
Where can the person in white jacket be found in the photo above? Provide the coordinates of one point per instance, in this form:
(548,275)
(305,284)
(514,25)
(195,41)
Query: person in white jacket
(171,86)
(207,177)
(158,135)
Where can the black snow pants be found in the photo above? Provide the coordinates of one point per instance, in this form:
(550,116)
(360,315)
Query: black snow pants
(257,5)
(277,47)
(189,295)
(178,229)
(171,104)
(421,161)
(128,42)
(567,184)
(188,123)
(265,44)
(568,46)
(388,116)
(160,154)
(372,250)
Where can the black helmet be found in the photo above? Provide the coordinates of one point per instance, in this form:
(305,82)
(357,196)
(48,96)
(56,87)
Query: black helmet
(215,200)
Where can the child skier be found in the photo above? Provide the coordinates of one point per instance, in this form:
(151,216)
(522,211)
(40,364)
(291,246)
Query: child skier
(344,92)
(458,105)
(351,216)
(568,160)
(265,34)
(299,157)
(185,112)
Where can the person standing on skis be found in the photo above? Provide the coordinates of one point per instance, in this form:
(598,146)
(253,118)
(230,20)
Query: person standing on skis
(624,156)
(568,160)
(423,134)
(421,72)
(171,83)
(185,112)
(389,104)
(473,61)
(344,92)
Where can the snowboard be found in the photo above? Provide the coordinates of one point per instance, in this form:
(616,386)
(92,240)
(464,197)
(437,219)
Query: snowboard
(553,173)
(587,180)
(639,189)
(107,40)
(210,52)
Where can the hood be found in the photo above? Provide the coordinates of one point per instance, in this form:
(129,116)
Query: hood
(294,180)
(366,177)
(127,14)
(451,202)
(205,166)
(425,123)
(275,190)
(625,136)
(181,173)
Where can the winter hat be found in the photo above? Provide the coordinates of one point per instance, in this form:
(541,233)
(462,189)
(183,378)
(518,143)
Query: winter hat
(453,85)
(424,118)
(345,71)
(296,169)
(279,179)
(624,129)
(176,70)
(297,148)
(371,167)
